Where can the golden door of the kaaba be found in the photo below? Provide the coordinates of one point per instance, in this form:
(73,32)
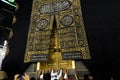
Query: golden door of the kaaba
(56,34)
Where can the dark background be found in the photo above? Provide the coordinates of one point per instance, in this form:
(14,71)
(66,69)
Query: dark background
(102,24)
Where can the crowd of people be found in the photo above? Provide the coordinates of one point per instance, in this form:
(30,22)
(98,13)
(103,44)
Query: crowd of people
(46,75)
(54,74)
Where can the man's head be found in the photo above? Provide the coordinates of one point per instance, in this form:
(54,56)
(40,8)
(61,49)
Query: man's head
(32,78)
(47,76)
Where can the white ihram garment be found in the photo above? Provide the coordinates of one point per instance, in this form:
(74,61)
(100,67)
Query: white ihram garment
(56,75)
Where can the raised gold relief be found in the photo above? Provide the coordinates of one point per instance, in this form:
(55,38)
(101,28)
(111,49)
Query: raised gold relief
(56,35)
